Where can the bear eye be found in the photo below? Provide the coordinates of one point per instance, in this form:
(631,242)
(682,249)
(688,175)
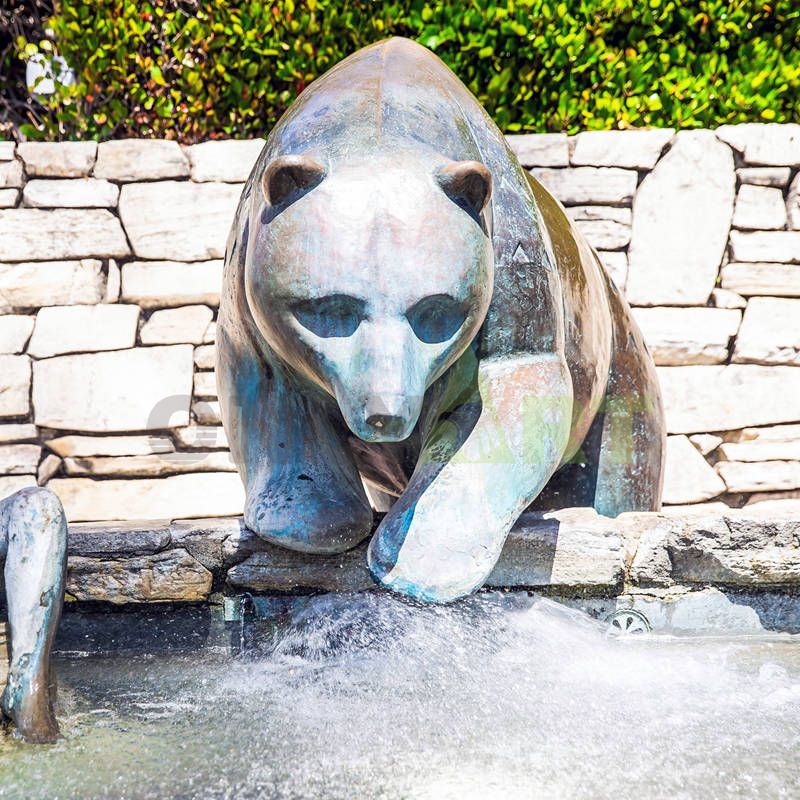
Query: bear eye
(437,318)
(337,315)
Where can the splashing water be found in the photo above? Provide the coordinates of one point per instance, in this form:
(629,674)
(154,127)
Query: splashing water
(368,696)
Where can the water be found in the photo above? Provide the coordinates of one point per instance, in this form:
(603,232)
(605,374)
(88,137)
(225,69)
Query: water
(368,696)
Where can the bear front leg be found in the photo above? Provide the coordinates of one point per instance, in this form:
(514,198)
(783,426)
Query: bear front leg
(33,522)
(305,492)
(482,464)
(303,489)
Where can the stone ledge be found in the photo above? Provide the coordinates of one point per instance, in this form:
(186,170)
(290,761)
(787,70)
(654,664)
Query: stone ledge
(574,551)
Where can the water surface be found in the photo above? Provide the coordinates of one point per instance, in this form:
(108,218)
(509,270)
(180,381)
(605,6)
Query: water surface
(369,696)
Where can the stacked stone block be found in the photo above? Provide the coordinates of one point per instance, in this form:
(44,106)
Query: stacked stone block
(710,263)
(110,273)
(111,266)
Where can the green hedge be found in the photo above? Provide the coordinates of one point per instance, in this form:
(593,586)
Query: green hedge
(217,68)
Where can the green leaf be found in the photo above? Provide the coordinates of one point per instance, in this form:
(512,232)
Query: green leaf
(231,67)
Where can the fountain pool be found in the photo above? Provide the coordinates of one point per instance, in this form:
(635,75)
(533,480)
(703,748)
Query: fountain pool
(369,696)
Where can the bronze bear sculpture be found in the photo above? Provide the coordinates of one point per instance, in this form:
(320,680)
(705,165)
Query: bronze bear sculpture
(404,305)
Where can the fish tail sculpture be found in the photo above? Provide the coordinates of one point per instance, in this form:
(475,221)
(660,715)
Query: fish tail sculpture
(33,542)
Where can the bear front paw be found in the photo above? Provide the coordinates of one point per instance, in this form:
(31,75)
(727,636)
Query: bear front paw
(305,520)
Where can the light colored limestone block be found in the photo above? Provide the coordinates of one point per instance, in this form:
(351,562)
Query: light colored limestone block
(7,151)
(207,412)
(773,433)
(768,144)
(770,332)
(706,442)
(70,193)
(18,432)
(759,208)
(704,399)
(205,356)
(15,330)
(150,466)
(155,284)
(76,329)
(724,298)
(9,198)
(143,388)
(178,220)
(50,283)
(35,234)
(205,384)
(764,176)
(681,217)
(766,476)
(113,282)
(11,175)
(757,246)
(177,325)
(580,185)
(761,450)
(202,437)
(58,159)
(228,161)
(80,446)
(605,227)
(19,459)
(679,336)
(777,280)
(202,494)
(15,386)
(540,149)
(48,468)
(636,149)
(140,160)
(688,477)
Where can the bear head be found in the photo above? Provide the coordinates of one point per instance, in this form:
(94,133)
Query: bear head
(371,277)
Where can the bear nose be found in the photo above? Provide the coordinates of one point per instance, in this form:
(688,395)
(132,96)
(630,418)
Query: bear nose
(384,407)
(387,424)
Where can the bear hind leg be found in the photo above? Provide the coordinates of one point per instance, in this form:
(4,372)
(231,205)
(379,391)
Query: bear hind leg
(619,466)
(629,463)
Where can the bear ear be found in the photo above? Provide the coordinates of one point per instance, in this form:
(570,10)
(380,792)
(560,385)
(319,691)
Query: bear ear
(467,182)
(290,175)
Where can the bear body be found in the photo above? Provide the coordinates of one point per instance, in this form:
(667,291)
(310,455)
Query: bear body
(404,305)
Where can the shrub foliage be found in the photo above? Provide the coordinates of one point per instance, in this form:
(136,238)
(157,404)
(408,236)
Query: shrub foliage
(194,69)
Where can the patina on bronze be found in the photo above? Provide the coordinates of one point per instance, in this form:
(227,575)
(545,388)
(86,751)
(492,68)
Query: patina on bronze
(33,544)
(402,303)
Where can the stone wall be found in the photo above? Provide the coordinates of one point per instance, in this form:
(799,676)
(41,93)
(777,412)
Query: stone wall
(732,572)
(110,272)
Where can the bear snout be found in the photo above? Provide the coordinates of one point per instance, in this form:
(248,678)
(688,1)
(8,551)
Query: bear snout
(388,425)
(389,417)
